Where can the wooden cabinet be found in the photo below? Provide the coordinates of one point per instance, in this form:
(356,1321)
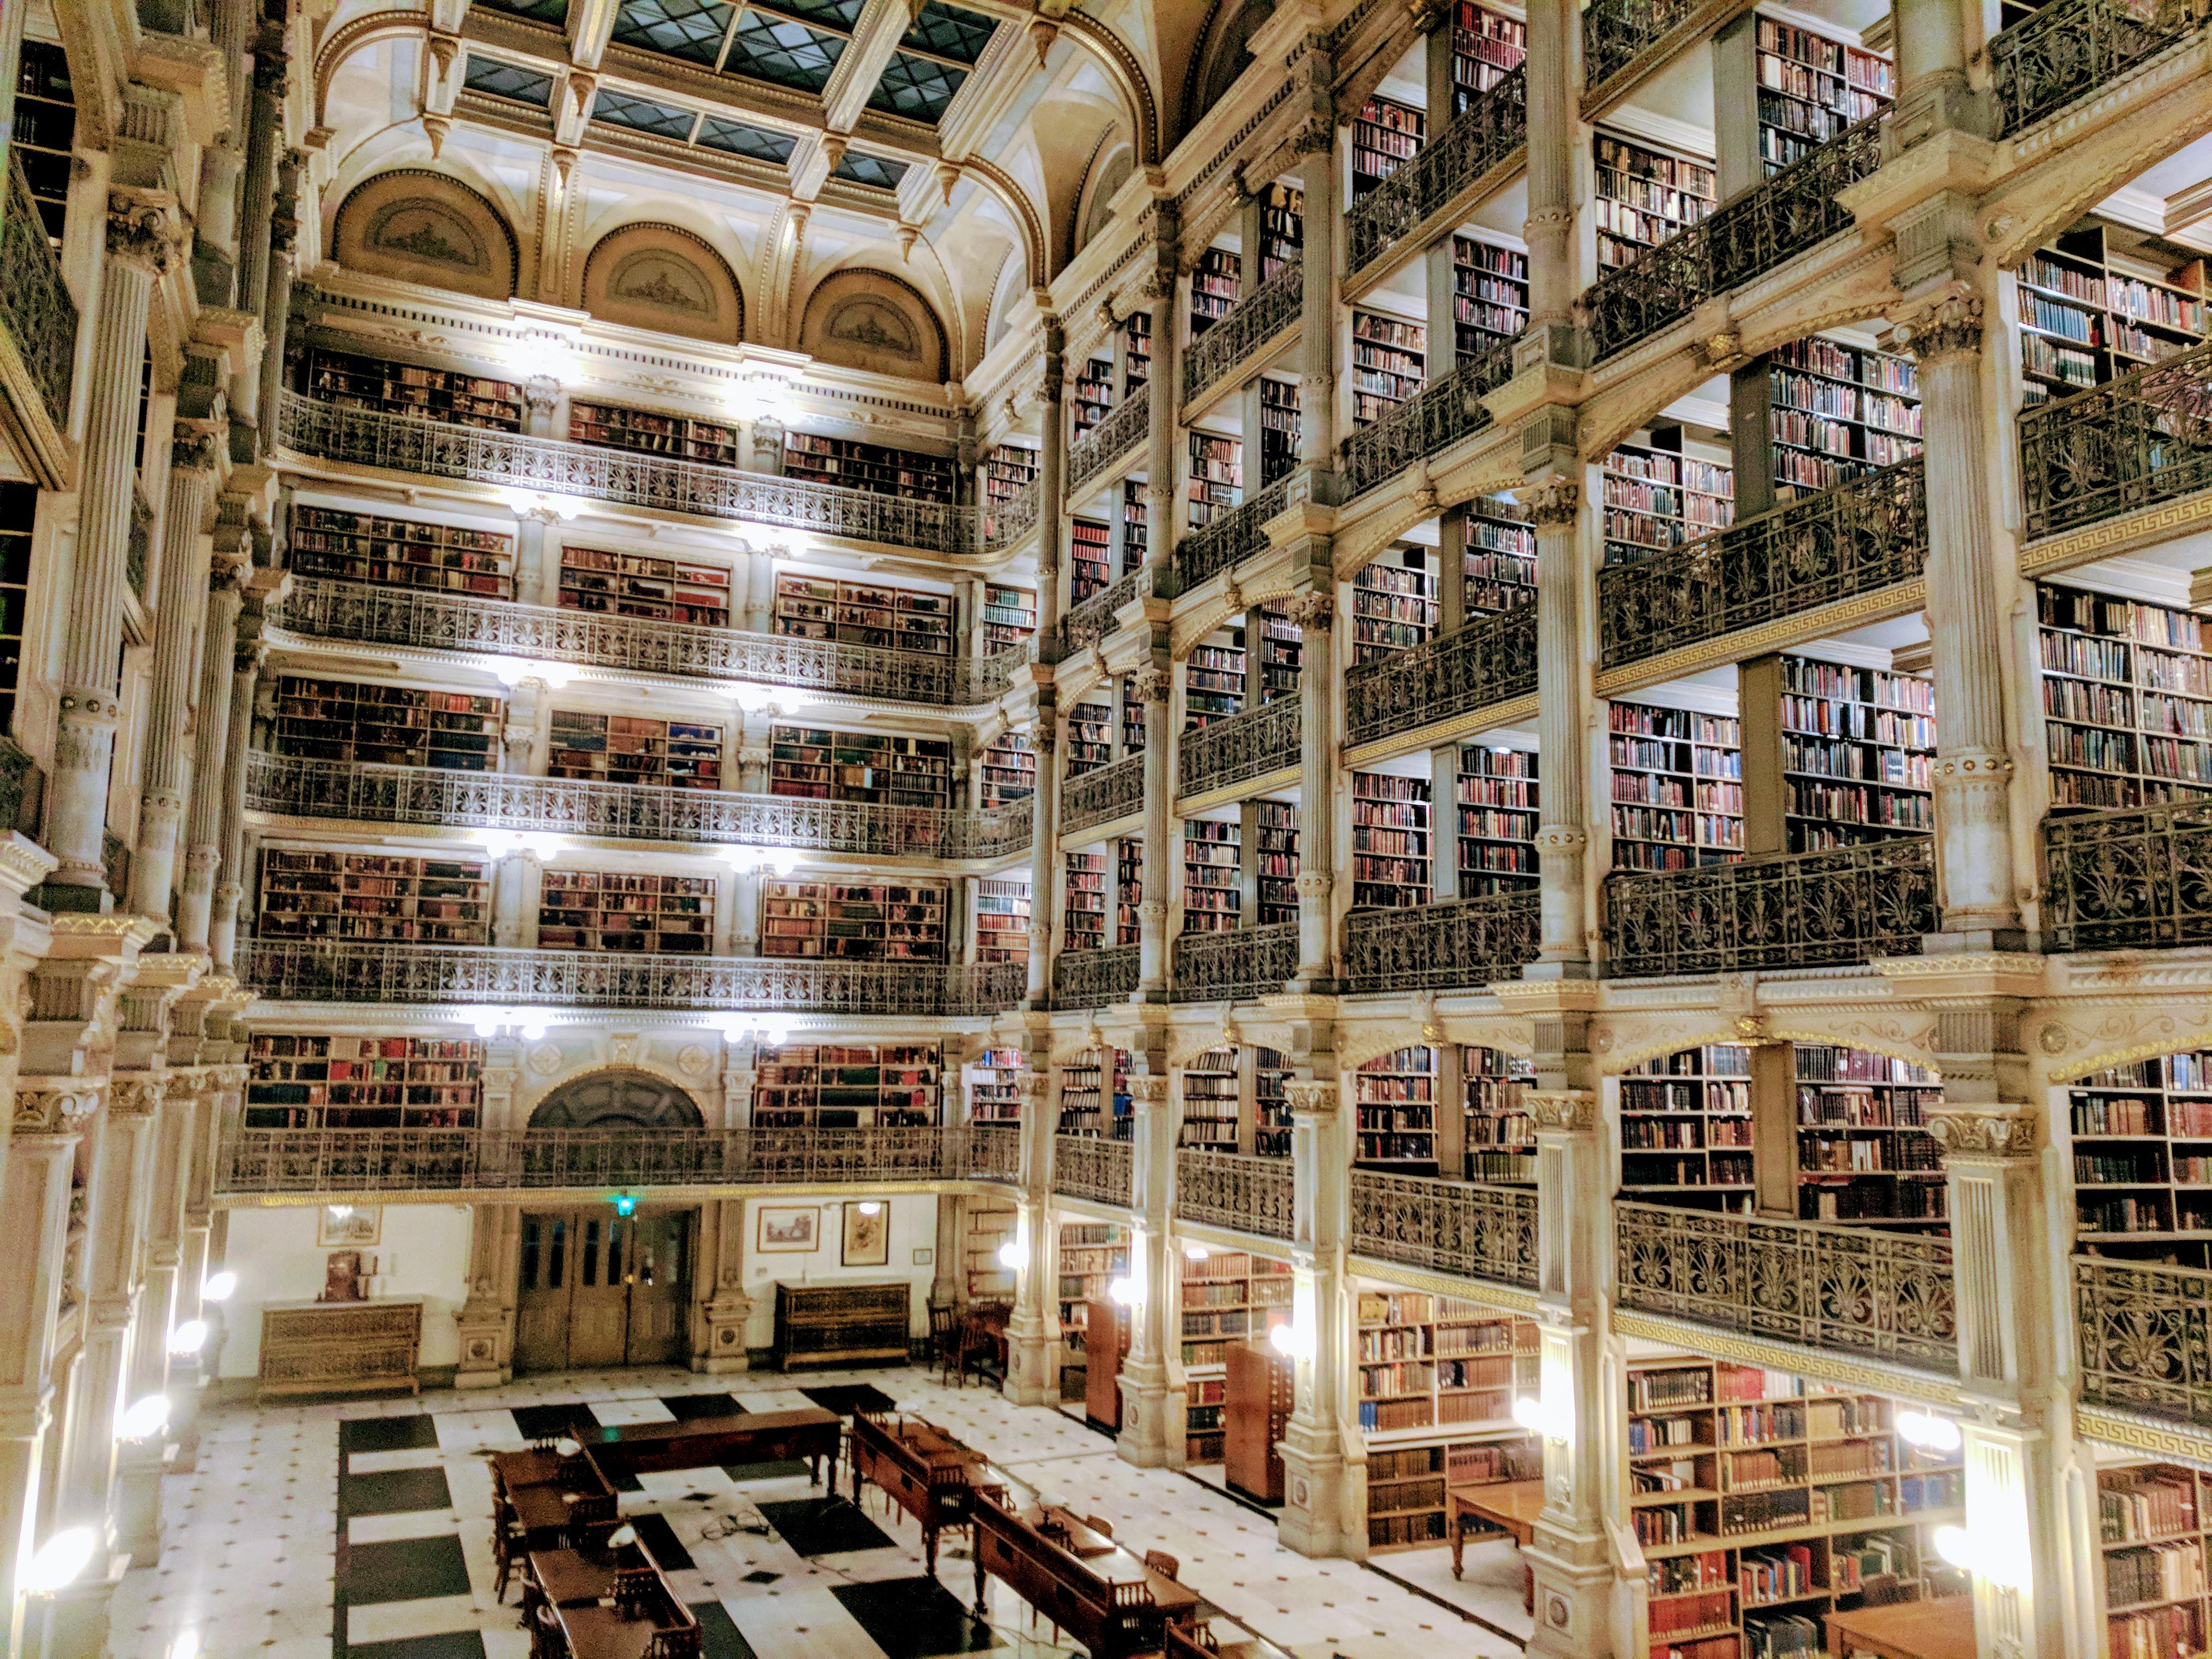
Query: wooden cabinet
(840,1324)
(1263,1386)
(340,1348)
(1105,1340)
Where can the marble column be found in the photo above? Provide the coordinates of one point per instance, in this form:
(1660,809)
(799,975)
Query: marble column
(1553,74)
(1052,454)
(1314,614)
(168,1184)
(1033,1328)
(1163,432)
(264,127)
(1154,1434)
(1562,703)
(1324,1461)
(1314,145)
(1153,687)
(728,1309)
(276,307)
(486,1319)
(1044,849)
(222,930)
(179,614)
(211,745)
(1931,66)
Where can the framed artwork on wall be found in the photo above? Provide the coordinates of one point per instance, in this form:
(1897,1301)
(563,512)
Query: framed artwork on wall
(787,1229)
(867,1241)
(343,1226)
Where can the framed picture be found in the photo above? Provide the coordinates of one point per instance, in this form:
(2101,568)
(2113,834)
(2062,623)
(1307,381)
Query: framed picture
(867,1242)
(787,1229)
(349,1226)
(925,1258)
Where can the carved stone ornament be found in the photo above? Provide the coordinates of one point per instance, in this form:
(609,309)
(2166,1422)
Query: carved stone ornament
(191,451)
(1555,506)
(1311,1097)
(1148,1091)
(1566,1111)
(1991,1131)
(1316,137)
(1951,326)
(545,1059)
(1152,685)
(1157,286)
(138,233)
(54,1111)
(1310,609)
(135,1096)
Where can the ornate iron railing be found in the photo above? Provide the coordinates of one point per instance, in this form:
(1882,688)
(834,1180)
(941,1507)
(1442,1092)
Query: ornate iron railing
(1438,415)
(1244,1195)
(1490,660)
(366,793)
(1490,130)
(1848,1290)
(1112,791)
(1236,966)
(1238,535)
(1241,747)
(1757,233)
(1840,908)
(139,551)
(369,971)
(1253,321)
(995,1152)
(251,1162)
(1003,523)
(1460,942)
(440,449)
(16,770)
(1092,979)
(1452,1226)
(2141,1337)
(357,612)
(1616,32)
(2143,439)
(2139,878)
(34,301)
(1092,1167)
(1861,537)
(2065,52)
(1085,624)
(1122,430)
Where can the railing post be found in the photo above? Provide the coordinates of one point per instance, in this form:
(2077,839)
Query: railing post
(1153,1433)
(1033,1329)
(1324,1463)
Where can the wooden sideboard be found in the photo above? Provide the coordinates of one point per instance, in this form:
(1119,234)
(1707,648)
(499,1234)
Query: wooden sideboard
(842,1324)
(340,1348)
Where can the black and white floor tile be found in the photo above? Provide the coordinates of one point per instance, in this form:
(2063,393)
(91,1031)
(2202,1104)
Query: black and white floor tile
(362,1530)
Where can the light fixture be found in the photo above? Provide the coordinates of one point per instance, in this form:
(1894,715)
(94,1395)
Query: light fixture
(789,699)
(1195,1252)
(774,1029)
(565,1447)
(219,1288)
(58,1562)
(1124,1290)
(145,1419)
(1528,1412)
(188,1337)
(340,1211)
(533,1031)
(1956,1545)
(751,698)
(625,1205)
(1010,1255)
(497,843)
(486,1025)
(625,1533)
(186,1646)
(741,858)
(871,1207)
(782,859)
(737,1027)
(1293,1341)
(1929,1431)
(543,848)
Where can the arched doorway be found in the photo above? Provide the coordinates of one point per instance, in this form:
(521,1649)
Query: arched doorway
(625,1100)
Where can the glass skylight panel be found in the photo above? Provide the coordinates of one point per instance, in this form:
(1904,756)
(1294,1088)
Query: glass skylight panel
(642,115)
(830,13)
(545,11)
(948,32)
(719,132)
(790,54)
(917,88)
(508,81)
(857,168)
(683,28)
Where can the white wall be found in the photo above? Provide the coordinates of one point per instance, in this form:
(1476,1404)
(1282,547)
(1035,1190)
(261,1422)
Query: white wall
(424,1251)
(914,1227)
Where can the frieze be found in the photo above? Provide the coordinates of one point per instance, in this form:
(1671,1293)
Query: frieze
(1564,1111)
(2002,1133)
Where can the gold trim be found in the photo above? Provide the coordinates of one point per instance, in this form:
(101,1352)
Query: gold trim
(1465,724)
(2125,1431)
(1725,648)
(1875,1376)
(2120,535)
(1218,1237)
(45,449)
(655,1192)
(1416,242)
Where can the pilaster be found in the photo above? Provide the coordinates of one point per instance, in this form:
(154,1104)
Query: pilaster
(1044,843)
(729,1308)
(1153,685)
(1033,1328)
(1314,612)
(1565,703)
(486,1319)
(1324,1460)
(1152,1417)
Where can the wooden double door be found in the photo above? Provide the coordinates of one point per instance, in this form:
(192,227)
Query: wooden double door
(599,1289)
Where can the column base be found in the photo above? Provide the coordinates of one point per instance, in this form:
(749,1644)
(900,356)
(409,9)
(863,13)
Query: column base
(1032,1362)
(487,1334)
(1154,1431)
(185,1385)
(73,1623)
(727,1318)
(76,898)
(139,1466)
(1324,1510)
(1572,1603)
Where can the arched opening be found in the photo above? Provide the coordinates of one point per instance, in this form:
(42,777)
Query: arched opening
(612,1099)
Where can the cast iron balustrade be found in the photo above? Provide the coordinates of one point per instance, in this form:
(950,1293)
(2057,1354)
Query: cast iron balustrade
(1836,908)
(16,770)
(1093,979)
(2143,439)
(2135,879)
(1429,422)
(256,1161)
(1122,430)
(1100,797)
(366,793)
(1092,1167)
(1616,32)
(441,449)
(2140,1331)
(1087,623)
(2069,50)
(995,1152)
(140,548)
(382,971)
(34,301)
(1452,1226)
(361,612)
(1236,966)
(1759,231)
(1818,1285)
(1859,537)
(1244,1195)
(1239,749)
(1253,321)
(1487,133)
(1003,523)
(1455,943)
(1238,535)
(1491,660)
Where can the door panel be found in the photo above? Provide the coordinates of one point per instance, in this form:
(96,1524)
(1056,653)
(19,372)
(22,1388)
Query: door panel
(598,1326)
(595,1290)
(659,1287)
(540,1311)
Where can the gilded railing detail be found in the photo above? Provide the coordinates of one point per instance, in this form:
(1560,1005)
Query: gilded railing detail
(1091,621)
(1236,966)
(1491,660)
(1486,134)
(2139,439)
(1437,417)
(995,1152)
(1112,791)
(2138,880)
(35,305)
(1122,430)
(1452,1226)
(2064,53)
(2144,1337)
(1457,942)
(1238,535)
(1244,1195)
(1092,979)
(1253,321)
(1615,33)
(1092,1167)
(1003,523)
(1240,748)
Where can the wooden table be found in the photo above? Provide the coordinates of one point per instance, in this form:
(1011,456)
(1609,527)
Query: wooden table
(928,1472)
(983,1330)
(712,1442)
(547,1514)
(1907,1630)
(510,1469)
(1111,1603)
(663,1631)
(1511,1507)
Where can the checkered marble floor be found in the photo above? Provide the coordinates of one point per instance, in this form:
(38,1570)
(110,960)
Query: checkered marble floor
(362,1530)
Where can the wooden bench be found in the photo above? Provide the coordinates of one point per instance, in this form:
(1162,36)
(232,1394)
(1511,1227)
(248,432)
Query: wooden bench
(928,1474)
(715,1441)
(1111,1617)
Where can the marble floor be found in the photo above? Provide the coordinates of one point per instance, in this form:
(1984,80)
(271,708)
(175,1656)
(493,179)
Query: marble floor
(362,1530)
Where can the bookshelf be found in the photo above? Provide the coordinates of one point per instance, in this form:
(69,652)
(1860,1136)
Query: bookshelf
(1128,890)
(1282,228)
(1094,395)
(387,725)
(44,131)
(19,510)
(1002,920)
(1214,685)
(1090,559)
(1084,912)
(1211,876)
(1487,48)
(851,464)
(1490,293)
(1135,524)
(389,388)
(1385,137)
(1858,753)
(1209,1102)
(824,1086)
(633,749)
(1645,196)
(874,615)
(1656,497)
(2152,1519)
(2101,301)
(878,767)
(2141,1136)
(1083,1109)
(1282,653)
(1227,1297)
(1431,1362)
(1271,1070)
(1810,88)
(2127,700)
(589,910)
(309,894)
(679,437)
(1009,770)
(1863,1155)
(1395,1096)
(988,1230)
(994,1090)
(367,547)
(1393,604)
(299,1082)
(641,585)
(854,921)
(1501,1136)
(1388,358)
(1092,1255)
(1839,411)
(1497,795)
(1009,617)
(1214,281)
(1686,1134)
(1276,827)
(1090,737)
(1500,555)
(1677,787)
(1137,350)
(1007,470)
(1389,841)
(1278,429)
(1217,474)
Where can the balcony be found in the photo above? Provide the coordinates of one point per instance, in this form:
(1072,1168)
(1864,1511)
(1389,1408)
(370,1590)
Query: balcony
(1085,624)
(356,612)
(1112,791)
(438,449)
(1459,943)
(1238,535)
(995,1152)
(1269,310)
(1758,232)
(2143,438)
(1855,539)
(1448,1227)
(1616,32)
(1122,431)
(1450,165)
(292,787)
(2140,879)
(1239,749)
(1838,908)
(1002,524)
(1090,1166)
(1435,418)
(1492,659)
(1238,966)
(376,971)
(2068,50)
(1094,979)
(1857,1290)
(2141,1337)
(1244,1195)
(38,324)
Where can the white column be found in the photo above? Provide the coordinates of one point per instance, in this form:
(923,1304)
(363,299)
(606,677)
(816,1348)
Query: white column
(1161,855)
(1033,1328)
(1314,613)
(1563,705)
(222,930)
(1044,849)
(1153,1425)
(179,614)
(1315,144)
(1324,1461)
(211,745)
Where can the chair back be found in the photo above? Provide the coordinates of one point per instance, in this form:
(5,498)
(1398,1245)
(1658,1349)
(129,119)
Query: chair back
(1163,1564)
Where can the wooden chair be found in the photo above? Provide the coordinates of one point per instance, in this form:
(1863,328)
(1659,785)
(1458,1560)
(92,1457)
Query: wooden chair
(1163,1564)
(505,1547)
(946,1343)
(1103,1528)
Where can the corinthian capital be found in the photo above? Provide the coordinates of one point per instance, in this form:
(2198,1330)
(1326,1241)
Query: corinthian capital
(57,1111)
(1553,506)
(1310,1097)
(1316,137)
(138,231)
(1986,1132)
(1310,609)
(1152,685)
(191,451)
(1949,326)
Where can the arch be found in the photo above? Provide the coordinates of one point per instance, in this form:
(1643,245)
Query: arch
(870,319)
(364,31)
(1223,55)
(427,227)
(1109,170)
(1127,73)
(1004,292)
(616,1096)
(651,274)
(995,180)
(2106,1036)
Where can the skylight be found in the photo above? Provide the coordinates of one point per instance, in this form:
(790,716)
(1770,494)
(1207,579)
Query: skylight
(508,81)
(856,169)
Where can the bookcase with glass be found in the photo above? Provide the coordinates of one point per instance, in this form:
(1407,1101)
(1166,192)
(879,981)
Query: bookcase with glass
(1216,474)
(302,1082)
(1002,919)
(635,748)
(1389,841)
(1386,136)
(2127,700)
(589,910)
(368,547)
(450,395)
(1686,1134)
(2141,1134)
(1276,824)
(1495,792)
(1213,686)
(847,1086)
(1659,493)
(1282,653)
(881,768)
(315,893)
(1083,916)
(1393,604)
(1487,48)
(2101,301)
(614,584)
(1009,617)
(874,615)
(854,921)
(1646,196)
(1389,356)
(1214,281)
(610,426)
(1677,787)
(1858,753)
(1865,1154)
(1090,737)
(1839,411)
(1490,295)
(849,463)
(1090,559)
(387,725)
(1811,87)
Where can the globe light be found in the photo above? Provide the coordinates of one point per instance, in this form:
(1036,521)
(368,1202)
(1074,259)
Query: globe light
(145,1419)
(220,1288)
(188,1337)
(60,1559)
